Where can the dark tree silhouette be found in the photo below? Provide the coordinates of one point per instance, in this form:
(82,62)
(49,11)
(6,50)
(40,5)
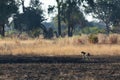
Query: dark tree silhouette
(31,19)
(72,15)
(7,7)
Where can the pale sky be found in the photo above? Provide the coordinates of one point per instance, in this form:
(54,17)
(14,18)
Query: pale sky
(45,5)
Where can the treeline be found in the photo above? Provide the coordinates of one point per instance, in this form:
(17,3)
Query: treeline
(70,13)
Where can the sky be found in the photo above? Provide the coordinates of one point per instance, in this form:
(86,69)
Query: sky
(45,5)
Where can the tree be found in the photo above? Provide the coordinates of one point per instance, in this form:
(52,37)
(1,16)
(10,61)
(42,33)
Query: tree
(66,9)
(69,11)
(51,9)
(72,15)
(106,11)
(115,18)
(77,20)
(7,8)
(31,19)
(59,21)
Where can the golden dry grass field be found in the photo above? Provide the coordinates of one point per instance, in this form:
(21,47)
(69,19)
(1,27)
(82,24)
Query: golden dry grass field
(61,46)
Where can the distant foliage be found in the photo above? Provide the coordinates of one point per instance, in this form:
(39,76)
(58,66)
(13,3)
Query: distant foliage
(92,30)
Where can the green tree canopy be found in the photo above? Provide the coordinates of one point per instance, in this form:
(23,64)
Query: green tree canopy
(107,11)
(31,19)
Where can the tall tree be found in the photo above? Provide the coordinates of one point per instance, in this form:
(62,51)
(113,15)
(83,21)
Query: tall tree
(31,19)
(59,21)
(72,14)
(7,7)
(51,10)
(106,11)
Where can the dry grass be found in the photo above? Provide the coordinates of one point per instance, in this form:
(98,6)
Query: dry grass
(61,46)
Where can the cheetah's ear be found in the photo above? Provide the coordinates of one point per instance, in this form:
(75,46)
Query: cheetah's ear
(88,54)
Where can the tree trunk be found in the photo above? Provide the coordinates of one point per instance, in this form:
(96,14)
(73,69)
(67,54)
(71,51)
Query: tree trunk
(23,7)
(2,31)
(59,20)
(70,31)
(107,29)
(70,27)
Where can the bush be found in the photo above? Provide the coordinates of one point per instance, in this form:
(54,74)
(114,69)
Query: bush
(93,39)
(35,33)
(49,34)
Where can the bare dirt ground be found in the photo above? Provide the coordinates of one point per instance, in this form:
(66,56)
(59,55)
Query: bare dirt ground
(59,68)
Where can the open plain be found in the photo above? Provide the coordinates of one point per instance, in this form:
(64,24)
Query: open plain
(59,68)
